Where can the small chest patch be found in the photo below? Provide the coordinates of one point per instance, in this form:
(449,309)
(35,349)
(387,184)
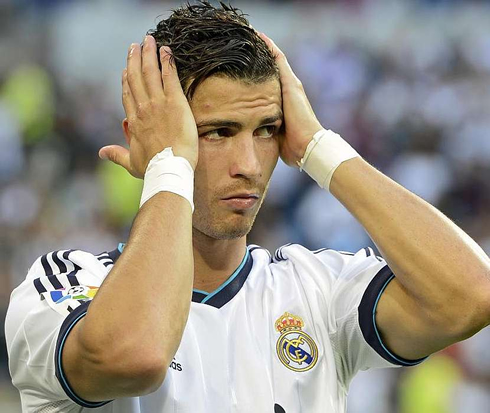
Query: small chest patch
(295,348)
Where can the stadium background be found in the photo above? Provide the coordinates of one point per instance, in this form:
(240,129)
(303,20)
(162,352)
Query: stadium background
(406,82)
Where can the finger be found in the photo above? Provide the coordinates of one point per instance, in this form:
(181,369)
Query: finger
(286,73)
(127,97)
(170,77)
(116,154)
(135,77)
(150,69)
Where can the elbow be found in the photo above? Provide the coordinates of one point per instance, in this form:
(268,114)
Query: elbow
(136,375)
(147,377)
(469,317)
(128,371)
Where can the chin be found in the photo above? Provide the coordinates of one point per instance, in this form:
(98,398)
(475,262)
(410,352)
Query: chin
(226,229)
(233,232)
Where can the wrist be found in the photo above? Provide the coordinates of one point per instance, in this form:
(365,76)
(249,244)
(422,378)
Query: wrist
(168,173)
(324,154)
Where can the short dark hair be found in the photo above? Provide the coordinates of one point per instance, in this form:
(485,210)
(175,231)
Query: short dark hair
(207,40)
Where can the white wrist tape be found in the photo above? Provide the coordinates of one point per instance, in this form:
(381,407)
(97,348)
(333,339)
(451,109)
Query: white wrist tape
(168,173)
(323,155)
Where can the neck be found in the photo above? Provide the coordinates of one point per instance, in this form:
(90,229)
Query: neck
(215,260)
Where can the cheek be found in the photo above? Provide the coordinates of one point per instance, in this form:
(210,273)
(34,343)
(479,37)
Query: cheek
(270,156)
(207,173)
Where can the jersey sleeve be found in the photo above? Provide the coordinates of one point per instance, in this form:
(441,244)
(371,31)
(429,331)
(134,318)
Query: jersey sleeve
(54,296)
(359,280)
(351,286)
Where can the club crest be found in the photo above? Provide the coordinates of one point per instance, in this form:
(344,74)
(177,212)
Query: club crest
(295,348)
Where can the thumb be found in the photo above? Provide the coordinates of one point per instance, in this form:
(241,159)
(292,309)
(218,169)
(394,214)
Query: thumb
(116,154)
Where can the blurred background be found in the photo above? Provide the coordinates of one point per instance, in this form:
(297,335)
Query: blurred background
(407,83)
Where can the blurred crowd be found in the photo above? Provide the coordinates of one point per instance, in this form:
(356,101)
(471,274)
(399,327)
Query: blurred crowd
(407,83)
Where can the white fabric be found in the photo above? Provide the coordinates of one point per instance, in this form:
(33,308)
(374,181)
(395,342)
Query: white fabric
(324,154)
(227,360)
(166,172)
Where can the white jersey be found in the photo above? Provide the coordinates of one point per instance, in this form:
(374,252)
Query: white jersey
(282,334)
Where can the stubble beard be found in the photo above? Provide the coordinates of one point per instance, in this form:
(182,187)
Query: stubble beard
(223,227)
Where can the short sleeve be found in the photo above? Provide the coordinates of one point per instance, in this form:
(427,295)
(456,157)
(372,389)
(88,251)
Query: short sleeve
(350,286)
(54,296)
(358,282)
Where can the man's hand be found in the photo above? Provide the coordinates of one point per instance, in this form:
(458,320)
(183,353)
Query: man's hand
(299,119)
(157,112)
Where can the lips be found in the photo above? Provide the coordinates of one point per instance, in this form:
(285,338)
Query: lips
(242,196)
(241,201)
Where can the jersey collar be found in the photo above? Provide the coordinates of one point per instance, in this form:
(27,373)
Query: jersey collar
(225,292)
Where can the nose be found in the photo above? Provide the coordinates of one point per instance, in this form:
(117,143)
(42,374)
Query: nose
(245,161)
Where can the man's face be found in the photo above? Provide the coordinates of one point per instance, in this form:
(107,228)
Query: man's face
(238,126)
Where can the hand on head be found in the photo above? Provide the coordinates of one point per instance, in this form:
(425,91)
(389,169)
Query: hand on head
(300,122)
(157,112)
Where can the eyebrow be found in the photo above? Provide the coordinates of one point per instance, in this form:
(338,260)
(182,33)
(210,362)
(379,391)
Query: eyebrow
(223,123)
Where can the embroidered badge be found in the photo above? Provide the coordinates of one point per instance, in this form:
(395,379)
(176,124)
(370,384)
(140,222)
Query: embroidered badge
(79,292)
(295,349)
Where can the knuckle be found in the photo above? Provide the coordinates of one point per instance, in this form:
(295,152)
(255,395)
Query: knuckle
(140,109)
(130,77)
(155,103)
(146,70)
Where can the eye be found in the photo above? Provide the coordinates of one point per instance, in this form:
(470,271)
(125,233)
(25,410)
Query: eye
(266,131)
(216,134)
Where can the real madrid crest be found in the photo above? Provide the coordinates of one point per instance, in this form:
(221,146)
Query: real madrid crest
(295,349)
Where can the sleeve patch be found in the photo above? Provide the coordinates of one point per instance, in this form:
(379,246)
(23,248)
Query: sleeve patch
(65,300)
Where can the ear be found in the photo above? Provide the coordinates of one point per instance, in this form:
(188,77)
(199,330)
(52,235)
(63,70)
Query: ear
(125,128)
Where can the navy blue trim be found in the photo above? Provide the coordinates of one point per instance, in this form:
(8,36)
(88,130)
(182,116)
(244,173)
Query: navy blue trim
(224,293)
(39,286)
(278,254)
(256,247)
(70,321)
(66,254)
(115,254)
(47,267)
(198,296)
(61,265)
(367,318)
(72,279)
(55,282)
(346,253)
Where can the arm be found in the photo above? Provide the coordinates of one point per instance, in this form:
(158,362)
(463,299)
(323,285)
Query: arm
(133,327)
(441,293)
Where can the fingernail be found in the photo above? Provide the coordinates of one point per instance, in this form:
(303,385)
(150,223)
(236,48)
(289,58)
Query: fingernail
(102,155)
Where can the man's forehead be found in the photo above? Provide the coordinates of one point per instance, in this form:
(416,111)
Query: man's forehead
(219,94)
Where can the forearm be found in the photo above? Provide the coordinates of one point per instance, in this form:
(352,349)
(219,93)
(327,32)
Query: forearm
(140,311)
(436,262)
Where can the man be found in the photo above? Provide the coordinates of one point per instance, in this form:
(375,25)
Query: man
(161,326)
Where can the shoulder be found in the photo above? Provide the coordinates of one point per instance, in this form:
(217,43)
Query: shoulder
(57,278)
(63,268)
(333,260)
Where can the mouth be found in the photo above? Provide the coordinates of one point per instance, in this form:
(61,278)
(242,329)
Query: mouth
(241,201)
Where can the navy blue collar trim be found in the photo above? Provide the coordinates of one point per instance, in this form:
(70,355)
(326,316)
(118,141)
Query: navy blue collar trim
(225,292)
